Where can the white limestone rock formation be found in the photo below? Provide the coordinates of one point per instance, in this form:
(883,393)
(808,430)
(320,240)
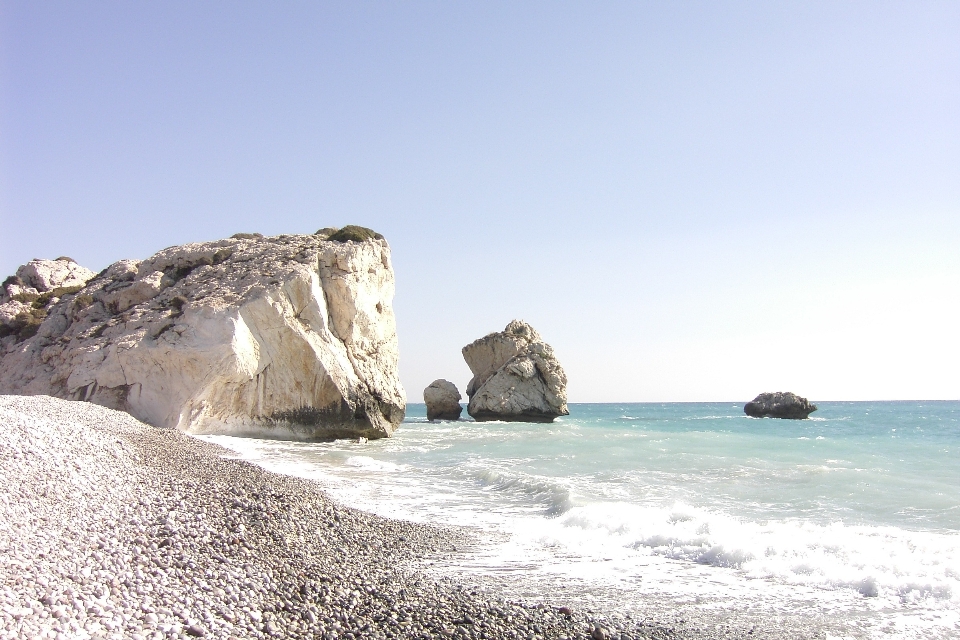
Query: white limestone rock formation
(516,377)
(24,296)
(46,275)
(443,401)
(290,336)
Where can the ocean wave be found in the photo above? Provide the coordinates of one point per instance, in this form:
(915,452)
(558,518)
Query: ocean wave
(870,560)
(371,464)
(541,490)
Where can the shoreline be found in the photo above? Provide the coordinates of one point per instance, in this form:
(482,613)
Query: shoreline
(113,528)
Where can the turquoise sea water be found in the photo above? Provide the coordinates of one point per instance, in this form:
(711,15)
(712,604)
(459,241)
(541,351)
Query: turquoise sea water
(858,506)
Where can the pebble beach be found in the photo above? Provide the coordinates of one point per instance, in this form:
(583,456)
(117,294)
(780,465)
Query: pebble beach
(115,529)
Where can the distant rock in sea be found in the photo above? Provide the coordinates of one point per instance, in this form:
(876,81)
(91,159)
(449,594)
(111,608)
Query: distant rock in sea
(516,377)
(781,404)
(285,336)
(443,401)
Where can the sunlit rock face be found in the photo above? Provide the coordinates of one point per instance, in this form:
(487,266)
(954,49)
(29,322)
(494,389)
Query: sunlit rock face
(47,275)
(516,377)
(290,336)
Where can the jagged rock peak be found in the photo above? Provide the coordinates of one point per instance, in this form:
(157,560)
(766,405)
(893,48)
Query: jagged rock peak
(46,275)
(25,296)
(443,401)
(516,377)
(285,336)
(780,404)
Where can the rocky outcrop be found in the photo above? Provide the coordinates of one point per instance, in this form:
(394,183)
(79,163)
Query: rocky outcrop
(443,401)
(46,275)
(779,405)
(286,336)
(516,377)
(25,296)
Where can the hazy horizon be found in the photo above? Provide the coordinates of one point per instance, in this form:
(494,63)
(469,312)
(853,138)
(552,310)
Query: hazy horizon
(689,202)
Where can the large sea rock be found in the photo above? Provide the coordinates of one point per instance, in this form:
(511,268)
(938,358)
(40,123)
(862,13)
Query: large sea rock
(290,336)
(443,401)
(782,404)
(516,377)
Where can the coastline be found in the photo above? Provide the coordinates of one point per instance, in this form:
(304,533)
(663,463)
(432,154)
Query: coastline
(113,528)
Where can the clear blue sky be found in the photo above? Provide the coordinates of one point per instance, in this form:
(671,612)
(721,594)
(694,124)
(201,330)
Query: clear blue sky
(690,201)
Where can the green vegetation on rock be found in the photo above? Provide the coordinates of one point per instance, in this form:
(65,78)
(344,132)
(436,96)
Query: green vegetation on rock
(26,297)
(177,305)
(83,301)
(353,233)
(25,324)
(59,292)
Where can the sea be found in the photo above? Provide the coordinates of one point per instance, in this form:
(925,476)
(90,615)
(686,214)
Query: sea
(849,520)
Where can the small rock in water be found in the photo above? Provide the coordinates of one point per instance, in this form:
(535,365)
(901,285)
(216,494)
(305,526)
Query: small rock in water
(781,404)
(443,401)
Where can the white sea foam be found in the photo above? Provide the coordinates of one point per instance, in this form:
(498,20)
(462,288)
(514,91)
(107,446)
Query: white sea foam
(874,561)
(371,464)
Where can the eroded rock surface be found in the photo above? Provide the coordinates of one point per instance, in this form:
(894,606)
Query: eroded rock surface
(443,400)
(779,405)
(516,377)
(286,336)
(25,296)
(46,275)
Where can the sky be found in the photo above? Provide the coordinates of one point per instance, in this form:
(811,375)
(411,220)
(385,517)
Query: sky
(689,201)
